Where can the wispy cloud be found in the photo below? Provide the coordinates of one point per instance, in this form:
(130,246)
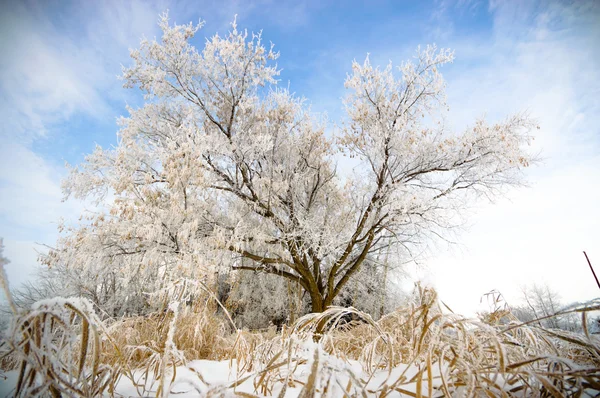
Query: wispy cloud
(30,206)
(45,76)
(540,59)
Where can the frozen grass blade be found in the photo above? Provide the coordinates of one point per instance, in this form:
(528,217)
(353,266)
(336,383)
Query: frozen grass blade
(421,349)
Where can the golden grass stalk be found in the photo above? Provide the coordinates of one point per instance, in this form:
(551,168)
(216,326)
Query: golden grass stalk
(419,350)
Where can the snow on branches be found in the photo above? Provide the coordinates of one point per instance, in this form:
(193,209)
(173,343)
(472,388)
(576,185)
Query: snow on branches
(222,170)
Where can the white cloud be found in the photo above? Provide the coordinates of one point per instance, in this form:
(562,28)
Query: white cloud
(536,236)
(45,76)
(30,194)
(23,257)
(30,207)
(548,69)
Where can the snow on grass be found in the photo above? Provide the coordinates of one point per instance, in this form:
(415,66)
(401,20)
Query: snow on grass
(206,377)
(61,347)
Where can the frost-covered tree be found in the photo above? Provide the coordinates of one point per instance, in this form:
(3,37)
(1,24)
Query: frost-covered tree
(257,299)
(594,327)
(221,170)
(3,261)
(541,303)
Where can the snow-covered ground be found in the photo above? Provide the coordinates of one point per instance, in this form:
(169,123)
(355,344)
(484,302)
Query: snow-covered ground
(200,377)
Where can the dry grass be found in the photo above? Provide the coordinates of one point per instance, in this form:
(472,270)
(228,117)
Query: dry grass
(199,333)
(57,348)
(421,349)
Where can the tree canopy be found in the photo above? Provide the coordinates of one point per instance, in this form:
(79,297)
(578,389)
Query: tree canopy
(221,166)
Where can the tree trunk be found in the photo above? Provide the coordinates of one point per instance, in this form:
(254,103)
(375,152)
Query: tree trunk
(316,303)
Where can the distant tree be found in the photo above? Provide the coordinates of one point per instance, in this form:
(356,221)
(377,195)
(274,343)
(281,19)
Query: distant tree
(220,170)
(3,261)
(8,307)
(594,327)
(540,302)
(48,283)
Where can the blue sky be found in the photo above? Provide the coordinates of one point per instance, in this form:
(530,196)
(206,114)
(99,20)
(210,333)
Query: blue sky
(59,96)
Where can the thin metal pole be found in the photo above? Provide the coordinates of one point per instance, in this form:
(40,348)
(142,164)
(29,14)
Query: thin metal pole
(590,264)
